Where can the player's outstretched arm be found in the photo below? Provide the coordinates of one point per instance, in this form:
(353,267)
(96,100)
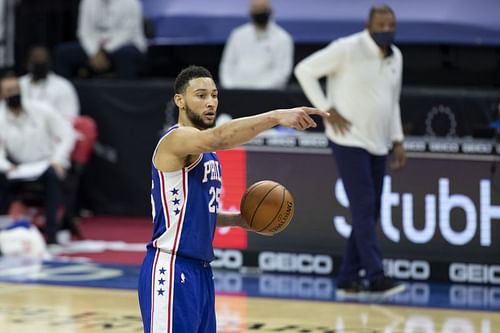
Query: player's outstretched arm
(231,219)
(191,141)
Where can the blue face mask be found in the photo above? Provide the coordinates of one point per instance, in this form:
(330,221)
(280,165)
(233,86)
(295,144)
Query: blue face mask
(383,39)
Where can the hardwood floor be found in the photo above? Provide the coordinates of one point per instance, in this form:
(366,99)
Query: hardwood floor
(34,308)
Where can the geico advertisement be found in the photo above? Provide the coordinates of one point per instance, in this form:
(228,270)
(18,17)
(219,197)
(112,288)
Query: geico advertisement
(268,261)
(321,264)
(457,272)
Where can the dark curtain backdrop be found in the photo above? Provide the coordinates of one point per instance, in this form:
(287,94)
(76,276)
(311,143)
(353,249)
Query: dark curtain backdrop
(46,22)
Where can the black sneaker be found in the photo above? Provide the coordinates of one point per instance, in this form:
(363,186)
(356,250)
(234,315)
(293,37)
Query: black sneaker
(350,290)
(385,287)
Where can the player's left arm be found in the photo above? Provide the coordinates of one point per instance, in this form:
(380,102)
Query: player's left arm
(231,219)
(397,135)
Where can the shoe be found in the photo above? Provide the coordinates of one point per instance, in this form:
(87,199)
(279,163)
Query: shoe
(70,225)
(54,249)
(350,290)
(385,287)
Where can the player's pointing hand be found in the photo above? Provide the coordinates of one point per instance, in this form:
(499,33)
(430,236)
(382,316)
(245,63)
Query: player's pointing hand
(298,118)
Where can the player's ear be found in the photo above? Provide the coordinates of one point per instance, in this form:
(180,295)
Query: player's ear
(179,101)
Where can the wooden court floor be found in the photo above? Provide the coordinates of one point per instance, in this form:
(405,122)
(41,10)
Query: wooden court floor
(31,308)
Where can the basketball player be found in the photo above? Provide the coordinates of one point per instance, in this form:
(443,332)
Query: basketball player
(176,291)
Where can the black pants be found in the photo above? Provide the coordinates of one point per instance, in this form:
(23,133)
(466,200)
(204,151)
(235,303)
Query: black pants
(126,61)
(362,174)
(49,189)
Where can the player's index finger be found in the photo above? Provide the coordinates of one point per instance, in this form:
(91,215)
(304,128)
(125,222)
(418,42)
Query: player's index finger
(316,111)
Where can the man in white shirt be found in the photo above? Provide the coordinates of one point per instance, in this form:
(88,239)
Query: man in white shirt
(257,55)
(31,133)
(364,76)
(110,35)
(43,85)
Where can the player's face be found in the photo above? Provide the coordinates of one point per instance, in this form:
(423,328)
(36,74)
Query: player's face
(200,102)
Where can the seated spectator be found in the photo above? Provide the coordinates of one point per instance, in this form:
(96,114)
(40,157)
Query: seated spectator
(257,55)
(32,133)
(41,84)
(110,37)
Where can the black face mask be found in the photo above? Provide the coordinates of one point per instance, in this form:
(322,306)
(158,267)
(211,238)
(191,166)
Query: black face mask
(261,19)
(383,39)
(39,70)
(14,101)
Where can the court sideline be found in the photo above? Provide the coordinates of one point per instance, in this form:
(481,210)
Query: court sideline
(94,291)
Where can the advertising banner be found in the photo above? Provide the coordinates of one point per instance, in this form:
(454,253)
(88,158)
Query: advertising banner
(439,218)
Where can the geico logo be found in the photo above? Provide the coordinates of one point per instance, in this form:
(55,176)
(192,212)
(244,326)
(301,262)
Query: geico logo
(232,259)
(441,205)
(301,263)
(475,273)
(477,296)
(228,282)
(407,269)
(426,324)
(302,286)
(416,293)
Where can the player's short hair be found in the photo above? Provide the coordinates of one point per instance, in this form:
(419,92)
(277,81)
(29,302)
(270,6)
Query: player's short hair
(187,74)
(380,9)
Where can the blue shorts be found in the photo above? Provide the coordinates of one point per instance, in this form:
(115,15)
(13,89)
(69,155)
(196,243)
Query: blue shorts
(176,294)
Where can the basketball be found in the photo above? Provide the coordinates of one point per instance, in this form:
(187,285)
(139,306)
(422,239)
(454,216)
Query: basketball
(268,207)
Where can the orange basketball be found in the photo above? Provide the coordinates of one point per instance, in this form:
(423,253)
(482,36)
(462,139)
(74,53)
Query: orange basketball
(268,207)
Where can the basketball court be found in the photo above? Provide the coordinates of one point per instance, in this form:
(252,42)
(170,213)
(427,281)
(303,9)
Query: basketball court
(55,309)
(90,287)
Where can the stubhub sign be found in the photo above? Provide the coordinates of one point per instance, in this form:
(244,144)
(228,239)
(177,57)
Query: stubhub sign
(438,208)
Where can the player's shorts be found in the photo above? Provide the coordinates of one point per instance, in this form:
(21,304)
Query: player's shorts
(176,294)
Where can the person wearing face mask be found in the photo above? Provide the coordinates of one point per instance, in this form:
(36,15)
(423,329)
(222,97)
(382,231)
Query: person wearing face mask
(32,133)
(363,83)
(258,54)
(42,84)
